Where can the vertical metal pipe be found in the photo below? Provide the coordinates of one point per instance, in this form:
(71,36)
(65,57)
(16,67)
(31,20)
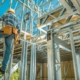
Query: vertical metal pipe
(74,56)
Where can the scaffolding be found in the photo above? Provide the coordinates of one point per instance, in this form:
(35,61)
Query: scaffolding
(57,39)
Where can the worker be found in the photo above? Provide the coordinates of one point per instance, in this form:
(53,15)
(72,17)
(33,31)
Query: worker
(10,28)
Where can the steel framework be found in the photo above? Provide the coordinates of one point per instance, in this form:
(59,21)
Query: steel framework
(57,30)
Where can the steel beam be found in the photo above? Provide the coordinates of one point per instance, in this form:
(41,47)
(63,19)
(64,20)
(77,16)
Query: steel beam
(69,24)
(74,38)
(66,5)
(62,12)
(25,62)
(52,11)
(62,44)
(33,62)
(31,23)
(27,6)
(51,61)
(76,3)
(46,3)
(74,56)
(22,17)
(78,62)
(57,62)
(22,61)
(58,19)
(51,57)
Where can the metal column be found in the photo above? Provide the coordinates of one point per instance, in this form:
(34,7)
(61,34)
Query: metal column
(74,56)
(58,65)
(23,70)
(25,61)
(23,46)
(78,62)
(31,17)
(22,61)
(33,62)
(51,57)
